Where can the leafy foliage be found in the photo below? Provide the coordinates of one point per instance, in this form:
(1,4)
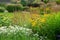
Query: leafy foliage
(50,28)
(58,1)
(26,2)
(12,8)
(17,33)
(2,9)
(4,21)
(45,1)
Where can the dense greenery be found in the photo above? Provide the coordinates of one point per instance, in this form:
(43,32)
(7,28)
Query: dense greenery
(45,26)
(4,20)
(29,20)
(17,33)
(2,9)
(58,1)
(49,27)
(12,8)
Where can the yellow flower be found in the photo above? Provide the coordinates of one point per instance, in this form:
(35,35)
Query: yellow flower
(35,16)
(45,15)
(31,20)
(47,8)
(34,23)
(43,20)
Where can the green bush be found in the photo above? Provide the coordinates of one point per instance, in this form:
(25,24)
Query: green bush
(2,9)
(26,2)
(53,25)
(2,4)
(45,10)
(12,8)
(46,1)
(4,21)
(50,28)
(58,1)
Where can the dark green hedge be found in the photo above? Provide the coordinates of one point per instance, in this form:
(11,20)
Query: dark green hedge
(12,8)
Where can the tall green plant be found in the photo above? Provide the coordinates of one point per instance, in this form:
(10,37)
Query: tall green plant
(4,21)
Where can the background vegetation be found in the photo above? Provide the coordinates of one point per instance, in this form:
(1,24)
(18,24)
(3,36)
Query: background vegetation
(30,20)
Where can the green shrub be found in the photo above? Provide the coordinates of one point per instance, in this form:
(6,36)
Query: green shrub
(50,28)
(46,1)
(2,4)
(4,20)
(42,10)
(12,8)
(45,10)
(53,25)
(26,2)
(58,1)
(2,9)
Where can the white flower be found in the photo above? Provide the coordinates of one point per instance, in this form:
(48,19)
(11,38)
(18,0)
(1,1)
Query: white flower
(41,37)
(15,29)
(36,34)
(5,11)
(11,27)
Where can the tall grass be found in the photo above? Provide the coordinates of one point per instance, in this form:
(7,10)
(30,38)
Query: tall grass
(21,18)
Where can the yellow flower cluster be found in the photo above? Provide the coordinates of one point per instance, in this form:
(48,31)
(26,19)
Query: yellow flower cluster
(47,8)
(33,22)
(36,19)
(35,16)
(43,20)
(45,15)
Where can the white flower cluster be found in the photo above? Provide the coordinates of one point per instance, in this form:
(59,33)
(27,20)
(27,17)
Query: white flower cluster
(15,29)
